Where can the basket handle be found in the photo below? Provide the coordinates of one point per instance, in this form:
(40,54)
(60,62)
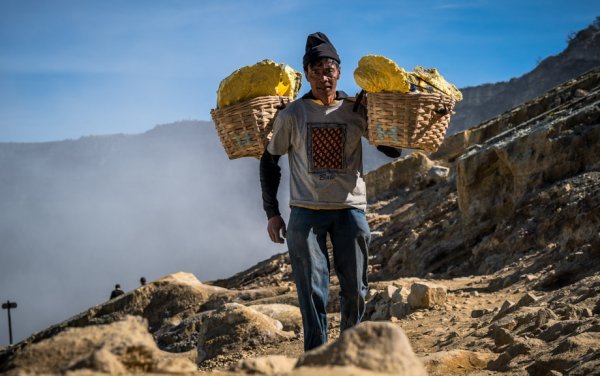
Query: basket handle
(282,104)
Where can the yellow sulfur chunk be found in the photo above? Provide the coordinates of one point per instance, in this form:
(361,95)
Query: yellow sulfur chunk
(377,73)
(261,79)
(432,77)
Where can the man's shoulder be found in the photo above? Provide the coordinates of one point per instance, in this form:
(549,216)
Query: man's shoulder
(291,109)
(293,106)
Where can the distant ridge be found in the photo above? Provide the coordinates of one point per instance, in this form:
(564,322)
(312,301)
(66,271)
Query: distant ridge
(488,100)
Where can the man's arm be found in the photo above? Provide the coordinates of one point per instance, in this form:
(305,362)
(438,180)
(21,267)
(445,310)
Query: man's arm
(270,175)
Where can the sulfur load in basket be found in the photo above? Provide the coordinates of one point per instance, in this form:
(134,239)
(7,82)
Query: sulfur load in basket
(405,109)
(247,103)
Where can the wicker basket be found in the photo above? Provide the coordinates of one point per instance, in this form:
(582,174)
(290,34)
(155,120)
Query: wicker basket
(409,120)
(245,128)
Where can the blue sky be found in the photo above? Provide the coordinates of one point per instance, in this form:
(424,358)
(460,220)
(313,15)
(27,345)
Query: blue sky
(76,68)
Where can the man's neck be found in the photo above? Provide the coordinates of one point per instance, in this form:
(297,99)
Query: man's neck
(326,100)
(338,96)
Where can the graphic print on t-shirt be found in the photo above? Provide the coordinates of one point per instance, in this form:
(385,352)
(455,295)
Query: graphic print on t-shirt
(326,142)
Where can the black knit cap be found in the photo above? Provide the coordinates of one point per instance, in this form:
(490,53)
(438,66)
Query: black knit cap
(318,46)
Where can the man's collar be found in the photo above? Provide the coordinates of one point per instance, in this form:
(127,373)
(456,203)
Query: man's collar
(338,95)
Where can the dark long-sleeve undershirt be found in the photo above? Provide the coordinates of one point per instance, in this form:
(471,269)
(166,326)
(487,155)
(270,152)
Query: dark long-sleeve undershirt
(270,175)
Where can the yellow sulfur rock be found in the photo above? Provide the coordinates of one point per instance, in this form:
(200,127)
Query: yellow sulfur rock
(261,79)
(432,77)
(377,73)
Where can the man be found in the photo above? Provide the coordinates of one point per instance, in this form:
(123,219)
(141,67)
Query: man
(116,292)
(321,133)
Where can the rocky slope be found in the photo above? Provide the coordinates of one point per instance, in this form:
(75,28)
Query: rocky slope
(486,101)
(484,261)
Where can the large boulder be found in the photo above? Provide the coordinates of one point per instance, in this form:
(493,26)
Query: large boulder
(122,347)
(373,346)
(234,326)
(289,315)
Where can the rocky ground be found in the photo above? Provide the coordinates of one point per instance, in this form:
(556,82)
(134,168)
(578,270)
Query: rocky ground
(485,260)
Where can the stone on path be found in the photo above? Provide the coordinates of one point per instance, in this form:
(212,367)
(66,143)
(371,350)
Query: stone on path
(375,346)
(426,295)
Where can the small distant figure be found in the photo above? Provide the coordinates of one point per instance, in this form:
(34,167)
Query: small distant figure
(143,281)
(116,292)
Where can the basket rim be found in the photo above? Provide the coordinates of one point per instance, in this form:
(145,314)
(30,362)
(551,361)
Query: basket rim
(253,101)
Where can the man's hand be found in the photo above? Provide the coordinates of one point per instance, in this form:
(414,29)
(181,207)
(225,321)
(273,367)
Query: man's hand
(276,229)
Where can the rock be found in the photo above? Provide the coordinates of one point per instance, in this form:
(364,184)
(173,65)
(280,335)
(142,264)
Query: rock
(182,337)
(400,173)
(399,310)
(501,363)
(503,336)
(382,311)
(586,312)
(121,347)
(558,329)
(456,361)
(543,316)
(500,331)
(388,292)
(524,346)
(436,175)
(238,326)
(400,295)
(567,311)
(527,300)
(268,365)
(100,361)
(476,313)
(579,344)
(288,315)
(371,293)
(506,306)
(426,295)
(375,346)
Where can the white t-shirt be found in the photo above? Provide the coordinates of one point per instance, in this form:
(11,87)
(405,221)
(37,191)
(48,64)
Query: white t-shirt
(324,149)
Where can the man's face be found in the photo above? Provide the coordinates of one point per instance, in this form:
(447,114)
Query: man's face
(323,77)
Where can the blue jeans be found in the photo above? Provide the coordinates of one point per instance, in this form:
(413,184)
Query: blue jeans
(306,238)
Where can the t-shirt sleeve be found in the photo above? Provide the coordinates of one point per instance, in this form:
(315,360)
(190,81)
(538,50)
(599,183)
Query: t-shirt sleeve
(282,133)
